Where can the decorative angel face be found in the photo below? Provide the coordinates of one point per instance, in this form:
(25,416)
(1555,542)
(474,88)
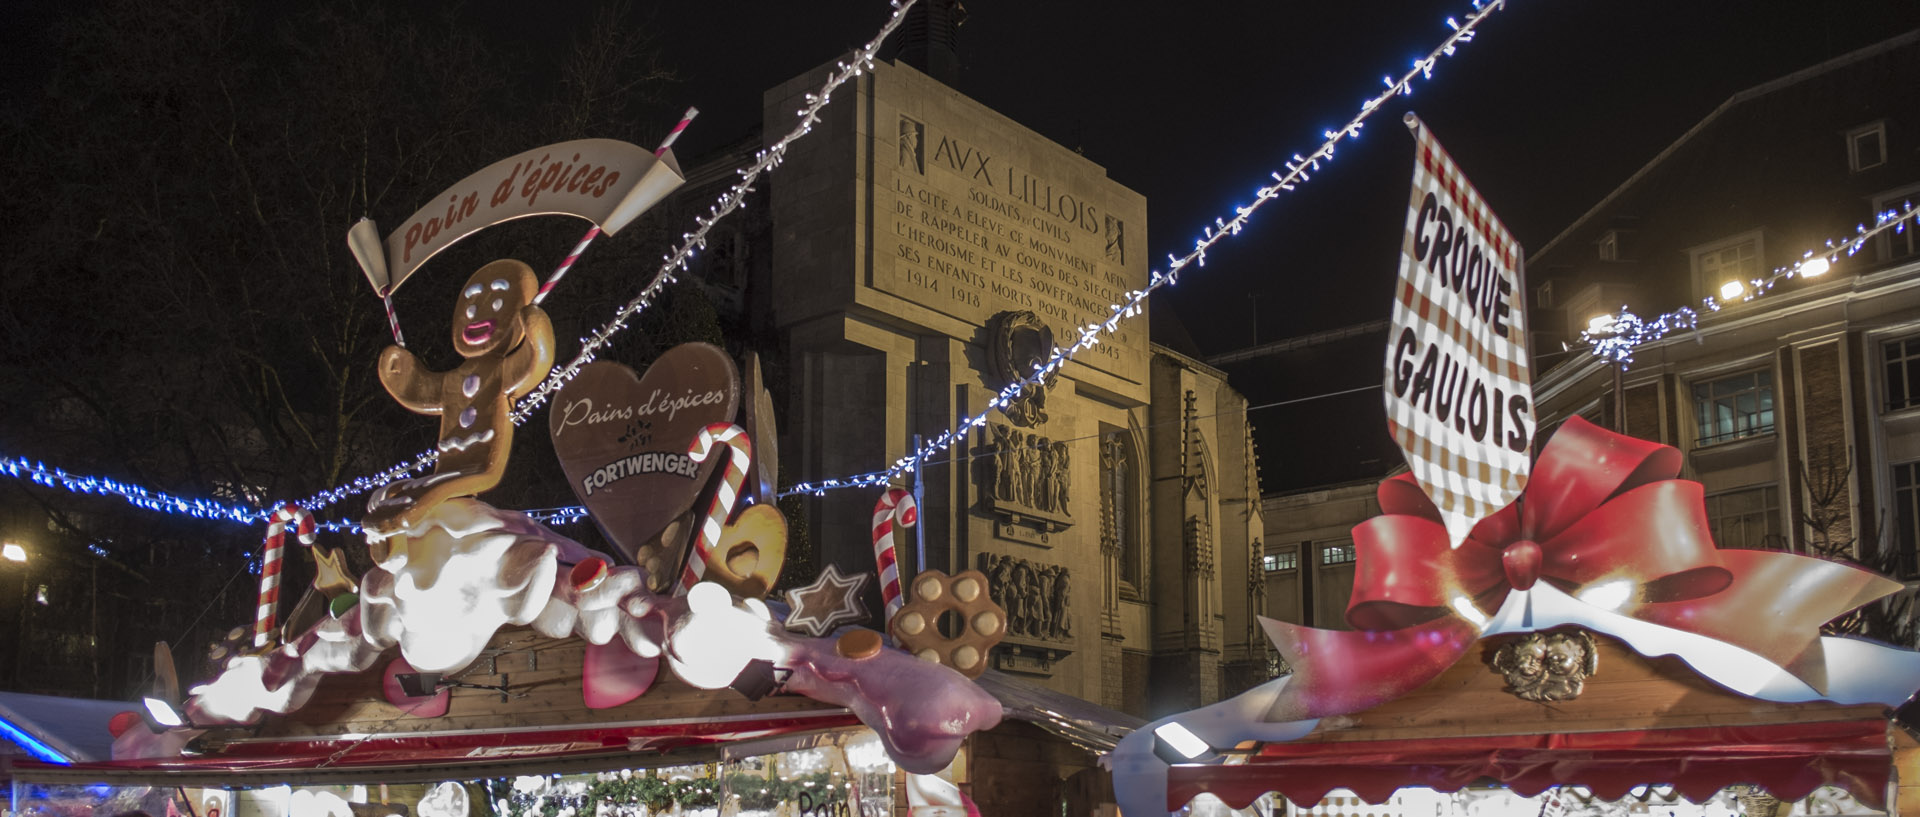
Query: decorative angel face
(487,315)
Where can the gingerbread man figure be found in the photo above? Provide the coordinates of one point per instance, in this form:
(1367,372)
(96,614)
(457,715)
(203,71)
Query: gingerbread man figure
(508,346)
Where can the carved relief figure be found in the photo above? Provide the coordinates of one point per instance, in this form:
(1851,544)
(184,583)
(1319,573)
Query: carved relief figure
(1029,473)
(1057,473)
(911,152)
(1548,666)
(1005,461)
(1062,606)
(1035,596)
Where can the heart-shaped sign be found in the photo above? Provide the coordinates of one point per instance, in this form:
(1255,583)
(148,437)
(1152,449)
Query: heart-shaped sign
(622,440)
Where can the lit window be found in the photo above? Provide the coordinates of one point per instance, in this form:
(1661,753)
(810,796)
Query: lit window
(1903,372)
(1336,554)
(1747,519)
(1734,407)
(1906,516)
(1284,560)
(1867,147)
(1715,266)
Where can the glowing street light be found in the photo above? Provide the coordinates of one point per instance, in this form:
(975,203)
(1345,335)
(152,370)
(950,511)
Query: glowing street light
(1600,324)
(1731,290)
(13,552)
(1814,267)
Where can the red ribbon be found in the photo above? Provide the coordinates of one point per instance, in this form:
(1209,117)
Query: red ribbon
(1600,508)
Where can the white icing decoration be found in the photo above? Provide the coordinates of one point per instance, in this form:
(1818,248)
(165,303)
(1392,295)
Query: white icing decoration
(467,417)
(470,386)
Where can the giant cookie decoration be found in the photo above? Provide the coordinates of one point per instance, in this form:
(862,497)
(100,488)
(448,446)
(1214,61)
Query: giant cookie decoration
(622,440)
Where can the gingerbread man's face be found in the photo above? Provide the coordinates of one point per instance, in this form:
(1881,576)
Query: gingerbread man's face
(487,316)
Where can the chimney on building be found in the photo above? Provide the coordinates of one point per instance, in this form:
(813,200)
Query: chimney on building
(928,38)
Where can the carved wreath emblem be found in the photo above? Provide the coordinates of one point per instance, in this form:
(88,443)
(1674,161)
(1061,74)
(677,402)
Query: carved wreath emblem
(1548,666)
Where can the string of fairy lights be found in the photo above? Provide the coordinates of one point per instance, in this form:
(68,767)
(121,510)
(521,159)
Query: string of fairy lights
(1615,336)
(1611,336)
(1298,171)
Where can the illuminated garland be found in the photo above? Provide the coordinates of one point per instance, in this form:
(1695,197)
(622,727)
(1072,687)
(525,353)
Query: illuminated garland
(22,468)
(679,259)
(1297,172)
(1614,336)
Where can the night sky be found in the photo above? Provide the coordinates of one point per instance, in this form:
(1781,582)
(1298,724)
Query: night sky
(1193,105)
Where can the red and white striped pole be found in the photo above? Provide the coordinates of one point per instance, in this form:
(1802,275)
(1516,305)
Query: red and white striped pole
(895,507)
(675,133)
(567,264)
(740,447)
(270,562)
(393,319)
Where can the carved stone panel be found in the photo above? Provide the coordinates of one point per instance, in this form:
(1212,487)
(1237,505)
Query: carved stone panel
(1019,342)
(1029,483)
(1037,597)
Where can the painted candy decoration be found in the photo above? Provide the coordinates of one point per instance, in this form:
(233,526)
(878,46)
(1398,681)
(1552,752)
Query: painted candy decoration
(270,563)
(895,506)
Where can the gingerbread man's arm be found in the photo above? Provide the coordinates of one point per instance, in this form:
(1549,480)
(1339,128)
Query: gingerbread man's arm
(410,383)
(529,362)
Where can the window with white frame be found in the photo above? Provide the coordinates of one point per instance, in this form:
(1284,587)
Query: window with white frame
(1748,518)
(1734,261)
(1906,516)
(1867,146)
(1336,553)
(1281,560)
(1733,407)
(1900,243)
(1903,372)
(1609,246)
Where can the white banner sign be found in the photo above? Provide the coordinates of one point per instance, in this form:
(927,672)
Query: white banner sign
(605,181)
(1459,397)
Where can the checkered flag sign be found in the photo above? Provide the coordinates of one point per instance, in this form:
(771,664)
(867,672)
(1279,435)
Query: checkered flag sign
(1459,399)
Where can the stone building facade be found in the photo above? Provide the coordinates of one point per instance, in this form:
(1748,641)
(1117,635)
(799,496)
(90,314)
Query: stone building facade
(1795,410)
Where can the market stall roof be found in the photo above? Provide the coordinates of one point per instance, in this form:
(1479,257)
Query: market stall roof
(58,730)
(1637,721)
(1089,726)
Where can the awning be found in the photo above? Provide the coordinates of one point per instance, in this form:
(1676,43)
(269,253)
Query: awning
(1089,726)
(1788,760)
(52,729)
(451,755)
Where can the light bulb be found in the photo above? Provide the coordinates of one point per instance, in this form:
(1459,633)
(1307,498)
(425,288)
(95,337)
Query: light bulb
(1731,290)
(1815,267)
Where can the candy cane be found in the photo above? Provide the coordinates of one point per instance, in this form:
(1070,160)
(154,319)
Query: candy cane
(896,505)
(270,564)
(675,133)
(579,248)
(721,508)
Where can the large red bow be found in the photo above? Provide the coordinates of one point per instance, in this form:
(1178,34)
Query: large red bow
(1602,512)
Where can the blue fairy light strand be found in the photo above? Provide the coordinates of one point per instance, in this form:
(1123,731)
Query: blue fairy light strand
(1615,336)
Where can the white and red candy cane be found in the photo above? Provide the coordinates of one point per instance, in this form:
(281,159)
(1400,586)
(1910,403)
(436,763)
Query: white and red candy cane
(720,509)
(270,560)
(675,133)
(579,248)
(895,506)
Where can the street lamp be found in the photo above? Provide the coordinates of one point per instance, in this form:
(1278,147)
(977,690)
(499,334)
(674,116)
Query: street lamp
(13,552)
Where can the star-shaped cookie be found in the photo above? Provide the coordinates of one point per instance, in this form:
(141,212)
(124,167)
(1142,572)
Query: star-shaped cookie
(832,600)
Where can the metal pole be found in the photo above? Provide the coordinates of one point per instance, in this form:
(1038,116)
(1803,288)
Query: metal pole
(1619,400)
(919,502)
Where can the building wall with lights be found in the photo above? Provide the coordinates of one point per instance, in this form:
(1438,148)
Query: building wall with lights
(1792,402)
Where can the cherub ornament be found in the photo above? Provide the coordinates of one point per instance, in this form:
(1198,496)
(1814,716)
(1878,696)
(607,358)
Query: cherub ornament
(508,346)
